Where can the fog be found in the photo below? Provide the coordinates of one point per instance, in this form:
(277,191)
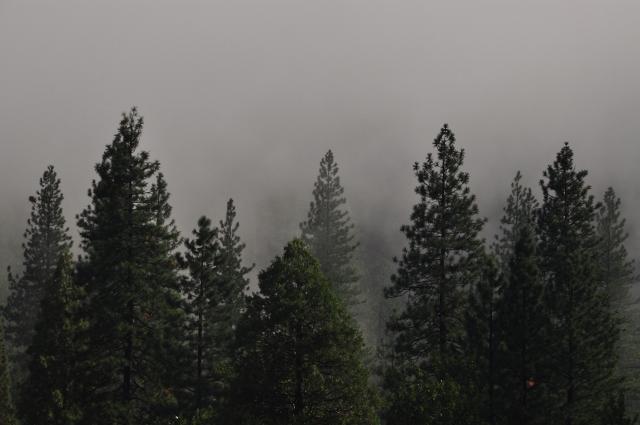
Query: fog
(242,99)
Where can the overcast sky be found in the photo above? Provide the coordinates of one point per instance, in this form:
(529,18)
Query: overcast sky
(243,98)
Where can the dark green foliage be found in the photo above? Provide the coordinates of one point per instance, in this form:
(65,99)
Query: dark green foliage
(617,274)
(232,272)
(213,299)
(52,392)
(614,411)
(519,212)
(451,398)
(616,277)
(130,274)
(523,324)
(7,411)
(582,334)
(483,334)
(444,256)
(46,237)
(328,232)
(298,356)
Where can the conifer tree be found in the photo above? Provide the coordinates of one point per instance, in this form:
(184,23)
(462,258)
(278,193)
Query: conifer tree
(7,411)
(523,322)
(618,273)
(232,272)
(46,238)
(583,334)
(483,334)
(52,392)
(519,212)
(131,280)
(328,232)
(298,358)
(444,256)
(213,297)
(616,278)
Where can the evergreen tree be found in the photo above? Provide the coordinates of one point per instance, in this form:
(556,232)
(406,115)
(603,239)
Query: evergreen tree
(232,272)
(299,351)
(483,334)
(618,273)
(46,238)
(213,296)
(522,320)
(518,213)
(328,232)
(130,269)
(444,256)
(583,334)
(617,276)
(51,394)
(7,411)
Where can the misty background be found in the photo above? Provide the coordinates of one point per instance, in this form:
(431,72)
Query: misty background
(242,99)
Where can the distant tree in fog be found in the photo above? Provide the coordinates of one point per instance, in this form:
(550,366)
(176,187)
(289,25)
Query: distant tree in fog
(46,238)
(328,232)
(519,212)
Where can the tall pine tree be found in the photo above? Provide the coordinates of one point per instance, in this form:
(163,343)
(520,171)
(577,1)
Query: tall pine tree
(299,351)
(214,298)
(617,276)
(328,232)
(583,333)
(131,274)
(231,270)
(46,238)
(52,392)
(445,256)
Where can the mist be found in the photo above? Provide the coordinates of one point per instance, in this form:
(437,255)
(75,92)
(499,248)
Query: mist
(242,99)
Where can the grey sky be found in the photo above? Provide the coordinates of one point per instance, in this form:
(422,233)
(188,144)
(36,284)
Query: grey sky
(242,99)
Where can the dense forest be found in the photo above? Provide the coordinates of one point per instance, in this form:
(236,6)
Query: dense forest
(538,326)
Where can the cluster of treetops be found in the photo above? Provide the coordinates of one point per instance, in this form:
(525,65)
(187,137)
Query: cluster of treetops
(538,328)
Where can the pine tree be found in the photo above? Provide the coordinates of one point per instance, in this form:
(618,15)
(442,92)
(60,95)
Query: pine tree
(617,276)
(7,411)
(51,394)
(583,333)
(232,272)
(483,334)
(618,273)
(131,281)
(328,232)
(523,322)
(445,255)
(213,297)
(46,238)
(299,351)
(519,212)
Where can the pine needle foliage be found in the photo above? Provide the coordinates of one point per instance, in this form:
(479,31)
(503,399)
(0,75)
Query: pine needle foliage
(131,280)
(46,238)
(444,257)
(617,276)
(329,233)
(583,334)
(523,327)
(213,294)
(299,352)
(7,410)
(519,212)
(52,393)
